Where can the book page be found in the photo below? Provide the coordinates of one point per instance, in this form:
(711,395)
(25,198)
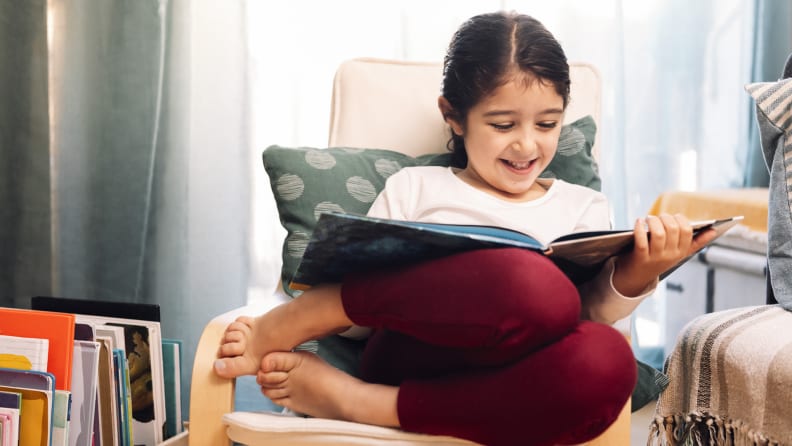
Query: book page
(34,350)
(582,257)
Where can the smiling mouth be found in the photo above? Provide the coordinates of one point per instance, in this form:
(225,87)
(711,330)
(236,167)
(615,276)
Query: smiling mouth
(519,165)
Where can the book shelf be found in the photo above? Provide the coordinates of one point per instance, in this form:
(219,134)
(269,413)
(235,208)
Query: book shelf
(104,377)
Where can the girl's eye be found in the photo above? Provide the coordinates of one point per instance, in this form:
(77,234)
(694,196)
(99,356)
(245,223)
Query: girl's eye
(548,124)
(503,126)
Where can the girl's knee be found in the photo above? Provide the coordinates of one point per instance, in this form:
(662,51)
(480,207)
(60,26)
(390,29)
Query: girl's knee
(527,284)
(606,373)
(610,371)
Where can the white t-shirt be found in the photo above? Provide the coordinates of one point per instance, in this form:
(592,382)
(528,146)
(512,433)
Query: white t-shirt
(436,195)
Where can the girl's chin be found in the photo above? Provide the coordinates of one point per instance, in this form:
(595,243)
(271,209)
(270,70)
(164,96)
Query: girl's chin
(521,190)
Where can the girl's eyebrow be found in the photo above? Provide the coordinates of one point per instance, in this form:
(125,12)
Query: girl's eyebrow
(498,113)
(551,111)
(548,111)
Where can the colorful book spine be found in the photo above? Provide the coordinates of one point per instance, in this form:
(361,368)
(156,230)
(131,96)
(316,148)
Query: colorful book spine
(58,328)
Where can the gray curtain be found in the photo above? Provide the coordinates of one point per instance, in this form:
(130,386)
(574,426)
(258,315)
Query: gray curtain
(772,46)
(25,241)
(109,188)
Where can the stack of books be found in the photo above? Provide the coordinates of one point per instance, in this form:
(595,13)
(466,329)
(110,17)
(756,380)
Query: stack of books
(79,372)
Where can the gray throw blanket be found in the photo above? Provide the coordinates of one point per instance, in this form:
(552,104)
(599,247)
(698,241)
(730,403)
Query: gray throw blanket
(774,116)
(731,381)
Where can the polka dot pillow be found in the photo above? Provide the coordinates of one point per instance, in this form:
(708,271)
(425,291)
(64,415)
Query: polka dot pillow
(308,181)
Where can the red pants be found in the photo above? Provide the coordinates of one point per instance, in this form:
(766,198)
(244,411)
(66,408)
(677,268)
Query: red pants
(488,345)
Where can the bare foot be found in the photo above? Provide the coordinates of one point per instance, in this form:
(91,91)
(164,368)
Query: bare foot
(317,313)
(304,383)
(238,353)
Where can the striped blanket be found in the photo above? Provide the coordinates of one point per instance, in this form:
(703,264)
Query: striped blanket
(731,381)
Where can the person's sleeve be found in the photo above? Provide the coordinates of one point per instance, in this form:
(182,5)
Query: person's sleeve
(602,303)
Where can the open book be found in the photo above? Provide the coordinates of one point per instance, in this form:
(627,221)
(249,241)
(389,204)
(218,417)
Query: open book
(346,243)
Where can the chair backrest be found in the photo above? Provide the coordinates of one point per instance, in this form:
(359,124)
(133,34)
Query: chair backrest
(388,104)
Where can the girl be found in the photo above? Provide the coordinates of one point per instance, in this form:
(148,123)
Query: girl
(495,346)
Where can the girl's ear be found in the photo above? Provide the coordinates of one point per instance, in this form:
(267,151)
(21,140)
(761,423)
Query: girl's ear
(449,116)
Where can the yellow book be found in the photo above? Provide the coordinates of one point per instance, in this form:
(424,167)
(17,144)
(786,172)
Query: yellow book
(34,420)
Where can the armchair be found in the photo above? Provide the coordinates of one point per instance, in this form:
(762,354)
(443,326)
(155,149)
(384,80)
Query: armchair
(388,105)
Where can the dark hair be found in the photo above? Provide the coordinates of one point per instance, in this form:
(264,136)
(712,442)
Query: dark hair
(483,52)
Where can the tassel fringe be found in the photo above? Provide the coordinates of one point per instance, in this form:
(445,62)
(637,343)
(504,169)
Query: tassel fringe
(703,429)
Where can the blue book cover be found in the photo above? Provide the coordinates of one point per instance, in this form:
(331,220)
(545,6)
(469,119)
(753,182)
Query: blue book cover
(171,364)
(346,243)
(11,400)
(124,400)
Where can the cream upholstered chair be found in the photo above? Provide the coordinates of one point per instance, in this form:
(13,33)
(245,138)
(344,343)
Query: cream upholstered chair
(362,89)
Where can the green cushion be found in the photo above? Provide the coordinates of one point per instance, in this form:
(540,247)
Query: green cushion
(306,181)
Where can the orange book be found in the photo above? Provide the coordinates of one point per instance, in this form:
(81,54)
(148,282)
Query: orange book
(57,327)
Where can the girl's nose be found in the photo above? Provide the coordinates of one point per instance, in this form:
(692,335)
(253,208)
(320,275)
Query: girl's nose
(526,142)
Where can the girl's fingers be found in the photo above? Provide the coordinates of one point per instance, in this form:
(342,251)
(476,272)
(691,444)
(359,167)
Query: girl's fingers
(685,232)
(641,236)
(671,228)
(657,235)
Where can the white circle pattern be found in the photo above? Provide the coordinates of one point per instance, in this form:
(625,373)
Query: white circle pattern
(296,244)
(573,142)
(319,159)
(361,189)
(289,186)
(386,168)
(326,206)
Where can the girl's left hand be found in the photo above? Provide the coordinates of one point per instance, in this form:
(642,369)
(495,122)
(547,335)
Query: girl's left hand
(671,242)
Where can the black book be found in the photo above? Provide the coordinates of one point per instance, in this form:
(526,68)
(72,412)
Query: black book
(127,310)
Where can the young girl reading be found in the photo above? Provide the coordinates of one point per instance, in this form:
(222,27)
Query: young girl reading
(495,346)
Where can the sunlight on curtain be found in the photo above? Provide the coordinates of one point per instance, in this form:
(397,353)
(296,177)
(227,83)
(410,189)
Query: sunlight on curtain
(150,158)
(674,109)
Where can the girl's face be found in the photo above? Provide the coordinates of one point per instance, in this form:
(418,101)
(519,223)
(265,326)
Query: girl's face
(510,137)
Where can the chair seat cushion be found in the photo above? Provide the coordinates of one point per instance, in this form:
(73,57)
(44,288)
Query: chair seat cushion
(267,428)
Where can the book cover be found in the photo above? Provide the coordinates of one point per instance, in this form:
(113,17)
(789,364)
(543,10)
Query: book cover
(23,380)
(60,418)
(23,353)
(93,307)
(121,369)
(142,347)
(6,429)
(84,332)
(10,400)
(10,405)
(85,372)
(58,328)
(346,243)
(34,416)
(107,397)
(11,425)
(171,365)
(141,386)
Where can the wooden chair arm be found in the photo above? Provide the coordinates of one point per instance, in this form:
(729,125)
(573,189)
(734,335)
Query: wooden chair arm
(211,397)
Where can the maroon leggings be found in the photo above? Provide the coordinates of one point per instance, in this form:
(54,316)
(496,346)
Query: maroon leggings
(488,345)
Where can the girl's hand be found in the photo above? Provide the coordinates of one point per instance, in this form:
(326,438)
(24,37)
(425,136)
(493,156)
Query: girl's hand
(671,242)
